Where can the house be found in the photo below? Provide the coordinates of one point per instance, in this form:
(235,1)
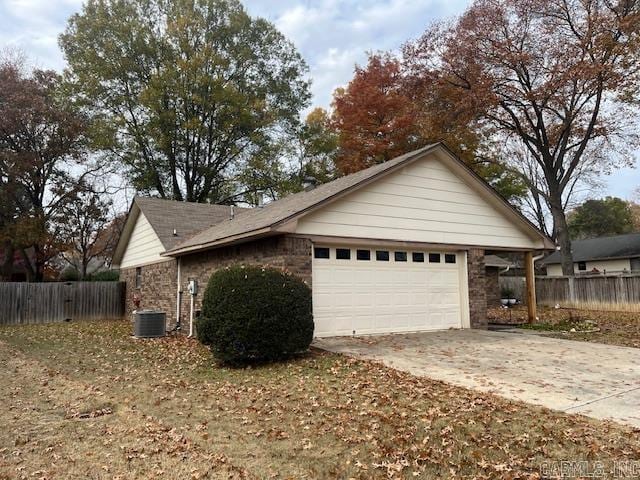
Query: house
(396,247)
(611,254)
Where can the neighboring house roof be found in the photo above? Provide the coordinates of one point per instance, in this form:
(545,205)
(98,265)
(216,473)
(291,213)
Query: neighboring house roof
(602,248)
(496,261)
(271,218)
(187,218)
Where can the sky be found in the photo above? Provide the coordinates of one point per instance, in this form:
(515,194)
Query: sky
(332,36)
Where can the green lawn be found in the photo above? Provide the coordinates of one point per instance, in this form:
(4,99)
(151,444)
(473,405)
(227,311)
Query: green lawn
(87,401)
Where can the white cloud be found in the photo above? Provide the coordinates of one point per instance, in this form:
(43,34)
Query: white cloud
(334,35)
(33,26)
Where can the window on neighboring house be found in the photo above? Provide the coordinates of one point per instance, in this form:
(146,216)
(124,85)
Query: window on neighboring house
(450,258)
(138,277)
(400,256)
(582,266)
(382,255)
(434,258)
(343,254)
(321,252)
(363,254)
(417,257)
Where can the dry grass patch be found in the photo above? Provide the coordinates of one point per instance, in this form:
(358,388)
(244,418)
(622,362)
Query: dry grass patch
(88,401)
(613,328)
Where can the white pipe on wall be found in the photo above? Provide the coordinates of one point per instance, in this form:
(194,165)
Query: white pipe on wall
(178,294)
(191,317)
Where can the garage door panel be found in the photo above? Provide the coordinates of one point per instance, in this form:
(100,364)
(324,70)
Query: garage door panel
(368,297)
(364,300)
(383,299)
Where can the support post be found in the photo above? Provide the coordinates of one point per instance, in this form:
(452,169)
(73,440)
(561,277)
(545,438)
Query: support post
(530,279)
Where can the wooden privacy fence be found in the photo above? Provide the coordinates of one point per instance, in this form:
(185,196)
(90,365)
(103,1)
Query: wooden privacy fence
(517,285)
(614,293)
(22,303)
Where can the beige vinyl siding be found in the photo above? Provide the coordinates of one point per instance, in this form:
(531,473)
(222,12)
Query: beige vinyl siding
(144,245)
(610,266)
(617,265)
(554,270)
(423,202)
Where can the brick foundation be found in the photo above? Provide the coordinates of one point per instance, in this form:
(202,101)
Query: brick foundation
(477,288)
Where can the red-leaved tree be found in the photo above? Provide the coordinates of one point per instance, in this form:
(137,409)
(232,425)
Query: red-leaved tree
(374,118)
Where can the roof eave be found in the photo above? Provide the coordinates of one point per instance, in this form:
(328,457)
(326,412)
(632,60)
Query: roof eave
(547,243)
(258,233)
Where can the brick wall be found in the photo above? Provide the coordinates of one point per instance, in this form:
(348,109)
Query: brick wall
(157,290)
(493,286)
(282,252)
(477,288)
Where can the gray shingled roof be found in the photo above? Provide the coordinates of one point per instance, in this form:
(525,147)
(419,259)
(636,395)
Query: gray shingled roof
(187,218)
(496,261)
(617,246)
(280,210)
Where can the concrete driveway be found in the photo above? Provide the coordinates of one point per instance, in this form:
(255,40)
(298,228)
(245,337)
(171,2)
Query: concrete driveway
(597,380)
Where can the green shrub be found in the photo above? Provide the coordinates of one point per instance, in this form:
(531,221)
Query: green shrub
(105,276)
(69,274)
(255,314)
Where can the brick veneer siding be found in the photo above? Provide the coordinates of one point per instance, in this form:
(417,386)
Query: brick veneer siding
(493,286)
(477,288)
(157,290)
(282,252)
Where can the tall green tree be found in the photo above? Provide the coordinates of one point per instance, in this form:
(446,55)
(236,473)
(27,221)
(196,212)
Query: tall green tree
(188,91)
(309,154)
(598,217)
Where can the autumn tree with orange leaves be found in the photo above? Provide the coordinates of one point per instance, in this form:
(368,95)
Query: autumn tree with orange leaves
(383,113)
(375,120)
(552,80)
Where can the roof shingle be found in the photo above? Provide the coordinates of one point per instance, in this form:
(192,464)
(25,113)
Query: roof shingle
(280,210)
(187,218)
(616,246)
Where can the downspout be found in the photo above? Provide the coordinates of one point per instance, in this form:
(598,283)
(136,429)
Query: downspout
(535,259)
(178,298)
(191,317)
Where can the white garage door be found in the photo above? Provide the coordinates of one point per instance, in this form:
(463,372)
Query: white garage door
(360,291)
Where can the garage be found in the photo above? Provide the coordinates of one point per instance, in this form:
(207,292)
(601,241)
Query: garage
(374,290)
(396,247)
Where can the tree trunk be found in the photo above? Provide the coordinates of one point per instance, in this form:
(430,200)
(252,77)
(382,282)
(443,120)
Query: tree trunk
(562,234)
(28,266)
(83,272)
(7,265)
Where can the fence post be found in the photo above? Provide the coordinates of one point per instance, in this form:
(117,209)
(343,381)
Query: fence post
(572,291)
